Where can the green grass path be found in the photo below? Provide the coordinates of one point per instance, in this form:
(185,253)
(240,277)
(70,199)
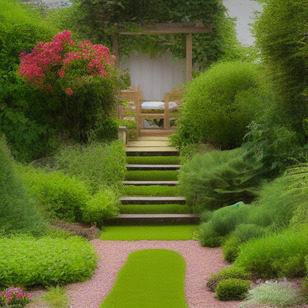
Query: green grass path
(150,278)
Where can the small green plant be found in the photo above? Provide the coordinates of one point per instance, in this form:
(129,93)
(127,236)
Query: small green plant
(232,289)
(56,297)
(104,204)
(278,294)
(226,273)
(46,261)
(231,248)
(14,297)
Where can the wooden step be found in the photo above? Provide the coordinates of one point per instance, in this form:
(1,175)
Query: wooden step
(149,183)
(153,219)
(152,200)
(152,167)
(152,151)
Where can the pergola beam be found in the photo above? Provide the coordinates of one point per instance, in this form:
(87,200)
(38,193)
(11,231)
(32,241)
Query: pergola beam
(168,31)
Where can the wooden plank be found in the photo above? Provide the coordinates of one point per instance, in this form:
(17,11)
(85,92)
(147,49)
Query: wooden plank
(168,31)
(188,57)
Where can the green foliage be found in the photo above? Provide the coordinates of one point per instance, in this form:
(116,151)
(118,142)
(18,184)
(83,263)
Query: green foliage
(208,236)
(153,160)
(109,18)
(56,297)
(57,195)
(104,204)
(231,248)
(278,294)
(277,255)
(218,178)
(245,232)
(96,164)
(232,289)
(219,104)
(18,212)
(151,175)
(281,36)
(188,151)
(46,261)
(159,275)
(154,209)
(226,273)
(152,190)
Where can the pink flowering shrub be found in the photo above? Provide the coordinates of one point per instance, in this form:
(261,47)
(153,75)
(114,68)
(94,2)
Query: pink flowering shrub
(14,297)
(77,82)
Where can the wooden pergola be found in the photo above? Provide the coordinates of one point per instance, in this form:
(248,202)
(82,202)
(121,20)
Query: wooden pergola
(169,28)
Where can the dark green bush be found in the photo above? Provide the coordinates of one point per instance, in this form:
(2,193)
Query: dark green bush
(231,248)
(218,178)
(104,204)
(232,289)
(226,273)
(219,104)
(277,255)
(208,236)
(18,212)
(97,164)
(57,195)
(245,232)
(47,261)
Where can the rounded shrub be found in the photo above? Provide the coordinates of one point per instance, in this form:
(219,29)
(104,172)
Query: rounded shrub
(232,289)
(231,248)
(219,104)
(104,204)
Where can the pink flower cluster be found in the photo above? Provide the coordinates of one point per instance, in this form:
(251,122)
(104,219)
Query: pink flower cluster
(14,295)
(59,58)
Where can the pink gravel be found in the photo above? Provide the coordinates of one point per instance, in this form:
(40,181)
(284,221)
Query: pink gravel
(200,263)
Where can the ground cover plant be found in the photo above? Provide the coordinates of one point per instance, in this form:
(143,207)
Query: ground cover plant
(151,190)
(159,233)
(219,104)
(46,261)
(56,297)
(154,209)
(151,175)
(18,212)
(153,160)
(97,164)
(156,275)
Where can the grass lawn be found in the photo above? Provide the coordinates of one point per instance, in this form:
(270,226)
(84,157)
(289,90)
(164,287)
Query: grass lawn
(158,233)
(169,175)
(154,209)
(150,278)
(154,160)
(151,190)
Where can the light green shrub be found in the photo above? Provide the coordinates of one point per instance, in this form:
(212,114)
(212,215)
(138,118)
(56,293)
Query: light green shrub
(277,255)
(46,261)
(226,273)
(104,204)
(219,178)
(245,232)
(219,104)
(278,294)
(18,212)
(208,237)
(97,164)
(57,195)
(232,289)
(231,248)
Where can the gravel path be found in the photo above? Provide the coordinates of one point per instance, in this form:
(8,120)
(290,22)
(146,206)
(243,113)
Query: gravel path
(200,263)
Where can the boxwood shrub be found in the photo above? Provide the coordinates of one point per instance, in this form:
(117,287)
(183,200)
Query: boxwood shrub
(232,289)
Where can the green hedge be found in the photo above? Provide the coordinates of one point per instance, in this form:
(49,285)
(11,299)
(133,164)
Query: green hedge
(47,261)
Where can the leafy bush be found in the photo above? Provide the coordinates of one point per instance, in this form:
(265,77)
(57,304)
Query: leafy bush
(231,248)
(281,36)
(18,212)
(231,289)
(97,164)
(219,104)
(57,195)
(104,204)
(46,261)
(226,273)
(277,255)
(208,236)
(279,294)
(217,179)
(245,232)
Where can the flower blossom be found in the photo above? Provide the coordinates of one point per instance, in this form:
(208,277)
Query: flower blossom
(69,91)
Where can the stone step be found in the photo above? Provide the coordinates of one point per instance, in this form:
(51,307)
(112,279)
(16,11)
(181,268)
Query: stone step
(152,167)
(152,200)
(153,219)
(149,183)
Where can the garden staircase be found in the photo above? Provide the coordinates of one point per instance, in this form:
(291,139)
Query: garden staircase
(152,146)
